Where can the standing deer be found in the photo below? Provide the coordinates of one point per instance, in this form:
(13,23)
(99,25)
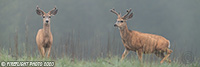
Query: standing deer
(141,42)
(44,38)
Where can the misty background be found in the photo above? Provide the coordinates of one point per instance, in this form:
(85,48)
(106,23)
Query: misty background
(85,28)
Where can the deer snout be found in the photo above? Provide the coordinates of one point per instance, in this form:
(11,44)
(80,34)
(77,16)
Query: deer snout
(47,21)
(115,25)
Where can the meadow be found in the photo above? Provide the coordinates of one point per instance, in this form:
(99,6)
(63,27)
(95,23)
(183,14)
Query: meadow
(86,37)
(112,61)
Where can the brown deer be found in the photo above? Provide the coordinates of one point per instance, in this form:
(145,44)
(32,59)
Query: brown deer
(44,38)
(141,42)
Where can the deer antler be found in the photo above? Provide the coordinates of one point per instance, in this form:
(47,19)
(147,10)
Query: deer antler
(113,10)
(128,11)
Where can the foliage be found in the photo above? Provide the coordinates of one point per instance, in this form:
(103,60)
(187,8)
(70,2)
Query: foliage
(99,62)
(84,28)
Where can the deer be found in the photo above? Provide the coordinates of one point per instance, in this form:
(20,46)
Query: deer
(44,38)
(141,43)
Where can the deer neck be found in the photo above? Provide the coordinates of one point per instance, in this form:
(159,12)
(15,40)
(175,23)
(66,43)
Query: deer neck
(124,32)
(46,30)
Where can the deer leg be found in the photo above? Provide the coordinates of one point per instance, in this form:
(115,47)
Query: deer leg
(42,51)
(39,48)
(168,59)
(48,51)
(169,51)
(160,54)
(124,54)
(140,54)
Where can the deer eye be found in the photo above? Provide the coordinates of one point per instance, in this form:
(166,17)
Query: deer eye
(121,21)
(43,16)
(49,16)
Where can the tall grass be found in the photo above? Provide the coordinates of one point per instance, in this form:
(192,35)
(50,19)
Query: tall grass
(71,51)
(113,61)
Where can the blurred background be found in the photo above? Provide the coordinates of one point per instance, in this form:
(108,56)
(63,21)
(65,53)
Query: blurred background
(83,29)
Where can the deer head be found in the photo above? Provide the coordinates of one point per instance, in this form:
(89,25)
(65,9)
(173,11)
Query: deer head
(121,20)
(46,16)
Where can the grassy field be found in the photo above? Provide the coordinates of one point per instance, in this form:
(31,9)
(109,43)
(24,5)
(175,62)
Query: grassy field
(99,62)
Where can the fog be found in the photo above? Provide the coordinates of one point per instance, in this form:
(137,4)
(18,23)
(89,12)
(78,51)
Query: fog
(85,28)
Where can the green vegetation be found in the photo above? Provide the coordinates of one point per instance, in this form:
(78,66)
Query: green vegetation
(84,29)
(99,62)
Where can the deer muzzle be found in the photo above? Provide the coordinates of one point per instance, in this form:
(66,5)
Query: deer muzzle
(115,25)
(47,21)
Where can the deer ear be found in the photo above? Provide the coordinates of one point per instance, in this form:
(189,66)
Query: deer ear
(39,11)
(53,11)
(130,16)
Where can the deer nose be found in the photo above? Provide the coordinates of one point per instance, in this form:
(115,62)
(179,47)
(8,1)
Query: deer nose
(47,21)
(115,25)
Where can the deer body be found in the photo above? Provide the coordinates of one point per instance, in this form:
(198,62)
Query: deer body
(44,38)
(134,40)
(141,42)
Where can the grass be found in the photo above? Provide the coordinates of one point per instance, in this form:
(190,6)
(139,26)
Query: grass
(99,62)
